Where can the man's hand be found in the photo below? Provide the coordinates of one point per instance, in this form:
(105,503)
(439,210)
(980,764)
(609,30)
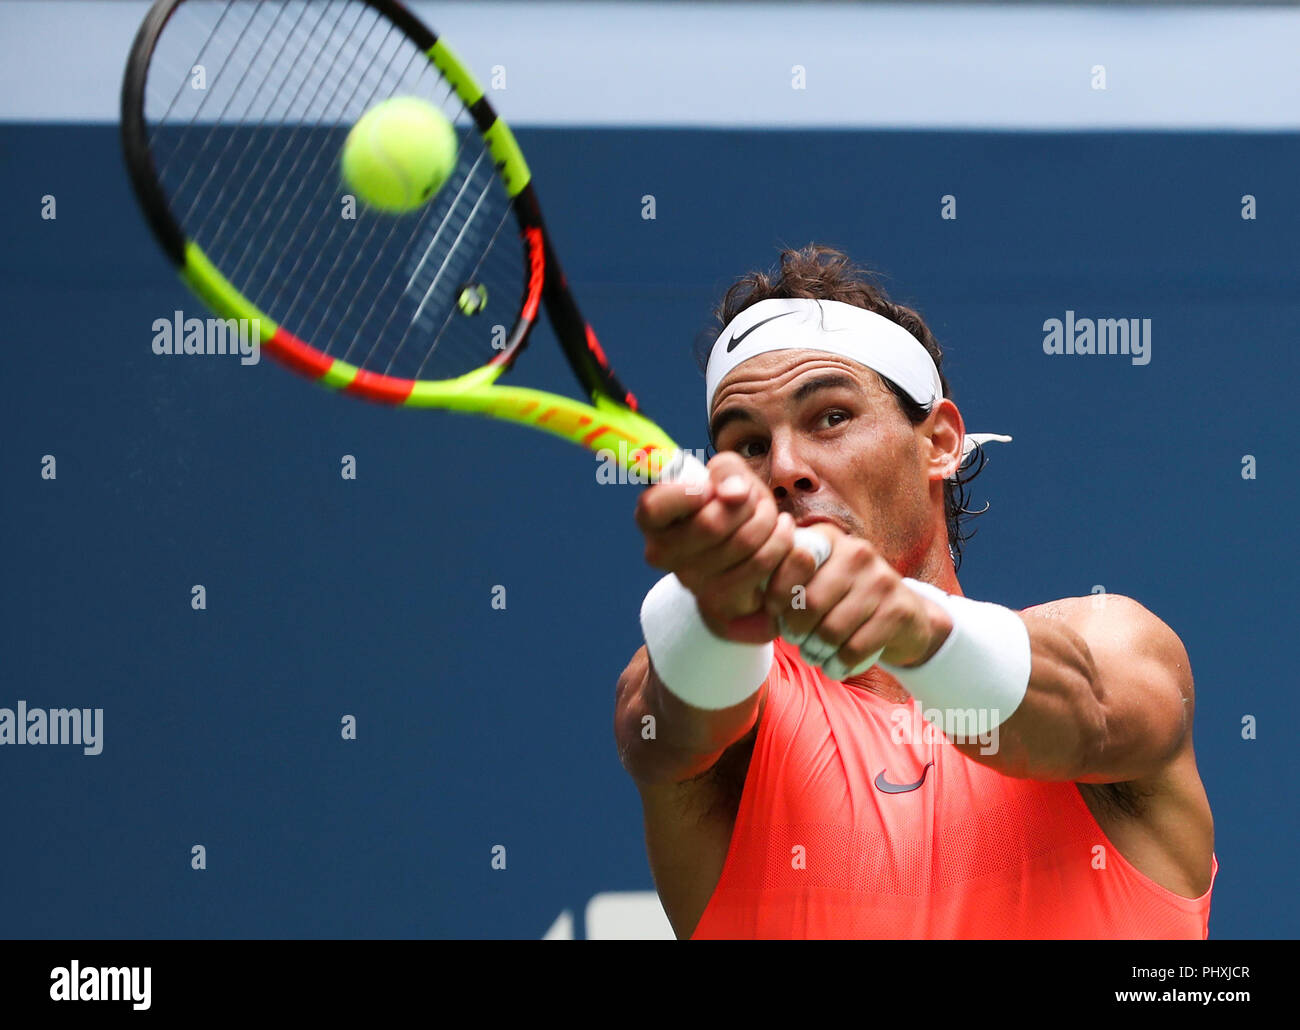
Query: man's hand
(723,539)
(853,606)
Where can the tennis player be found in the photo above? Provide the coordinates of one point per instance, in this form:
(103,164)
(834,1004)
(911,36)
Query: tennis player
(857,749)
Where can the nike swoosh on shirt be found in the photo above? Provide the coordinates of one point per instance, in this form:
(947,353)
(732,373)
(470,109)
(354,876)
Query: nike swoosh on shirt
(735,340)
(900,788)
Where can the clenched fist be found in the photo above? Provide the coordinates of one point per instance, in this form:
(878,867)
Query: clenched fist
(723,538)
(853,607)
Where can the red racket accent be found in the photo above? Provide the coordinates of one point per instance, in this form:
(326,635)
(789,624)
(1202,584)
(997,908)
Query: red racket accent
(380,388)
(533,297)
(598,352)
(299,356)
(594,346)
(307,360)
(582,421)
(536,273)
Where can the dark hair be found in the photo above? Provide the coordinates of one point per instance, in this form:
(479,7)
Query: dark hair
(819,272)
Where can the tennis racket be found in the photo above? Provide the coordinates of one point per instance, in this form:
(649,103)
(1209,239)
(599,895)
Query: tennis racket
(234,116)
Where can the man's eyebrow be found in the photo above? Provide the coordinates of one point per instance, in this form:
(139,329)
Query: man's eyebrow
(726,418)
(830,381)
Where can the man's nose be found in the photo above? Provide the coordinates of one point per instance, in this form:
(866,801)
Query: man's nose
(789,474)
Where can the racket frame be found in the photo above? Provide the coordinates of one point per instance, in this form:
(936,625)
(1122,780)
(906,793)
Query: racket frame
(612,421)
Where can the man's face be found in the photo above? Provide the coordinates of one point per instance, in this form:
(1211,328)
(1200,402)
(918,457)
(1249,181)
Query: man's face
(832,442)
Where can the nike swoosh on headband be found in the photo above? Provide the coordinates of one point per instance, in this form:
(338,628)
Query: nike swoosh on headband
(735,340)
(884,785)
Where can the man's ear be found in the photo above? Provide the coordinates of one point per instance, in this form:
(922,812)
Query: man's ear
(944,432)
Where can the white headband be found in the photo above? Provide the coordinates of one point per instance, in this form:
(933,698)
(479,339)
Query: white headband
(833,327)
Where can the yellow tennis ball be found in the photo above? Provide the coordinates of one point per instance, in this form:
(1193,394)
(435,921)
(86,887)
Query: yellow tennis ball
(399,153)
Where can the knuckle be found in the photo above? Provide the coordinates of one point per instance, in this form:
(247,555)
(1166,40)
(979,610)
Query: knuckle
(858,556)
(851,654)
(770,554)
(884,571)
(794,570)
(752,535)
(802,565)
(709,526)
(814,597)
(889,620)
(726,462)
(833,628)
(759,569)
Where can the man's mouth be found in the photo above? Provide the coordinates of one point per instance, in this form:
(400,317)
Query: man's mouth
(809,520)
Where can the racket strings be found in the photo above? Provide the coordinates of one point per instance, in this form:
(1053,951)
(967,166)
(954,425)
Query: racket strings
(276,146)
(280,147)
(248,103)
(430,280)
(263,38)
(320,170)
(437,227)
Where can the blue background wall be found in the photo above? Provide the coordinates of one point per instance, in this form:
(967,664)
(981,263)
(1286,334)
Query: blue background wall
(480,727)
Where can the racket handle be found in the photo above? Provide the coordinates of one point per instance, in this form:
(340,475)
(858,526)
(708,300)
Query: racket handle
(685,467)
(816,544)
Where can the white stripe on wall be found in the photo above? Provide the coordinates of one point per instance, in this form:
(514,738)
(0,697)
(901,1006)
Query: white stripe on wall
(732,64)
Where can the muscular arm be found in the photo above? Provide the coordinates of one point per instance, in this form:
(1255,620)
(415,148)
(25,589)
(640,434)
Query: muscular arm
(1110,695)
(660,738)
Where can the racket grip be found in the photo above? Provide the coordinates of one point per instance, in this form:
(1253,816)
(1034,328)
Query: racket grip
(816,544)
(685,467)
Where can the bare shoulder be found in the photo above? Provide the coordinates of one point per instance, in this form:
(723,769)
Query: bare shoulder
(1113,620)
(1142,668)
(1122,635)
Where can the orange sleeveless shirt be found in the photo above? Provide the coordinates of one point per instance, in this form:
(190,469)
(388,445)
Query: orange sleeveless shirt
(829,842)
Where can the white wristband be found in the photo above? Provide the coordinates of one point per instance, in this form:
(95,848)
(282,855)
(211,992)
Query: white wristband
(698,667)
(980,673)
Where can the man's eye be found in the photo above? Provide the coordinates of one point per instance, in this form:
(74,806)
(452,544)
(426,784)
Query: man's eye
(834,418)
(750,448)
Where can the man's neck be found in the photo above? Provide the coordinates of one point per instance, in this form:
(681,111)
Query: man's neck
(935,566)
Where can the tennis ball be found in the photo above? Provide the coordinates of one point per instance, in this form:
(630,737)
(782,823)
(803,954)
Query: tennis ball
(399,153)
(472,298)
